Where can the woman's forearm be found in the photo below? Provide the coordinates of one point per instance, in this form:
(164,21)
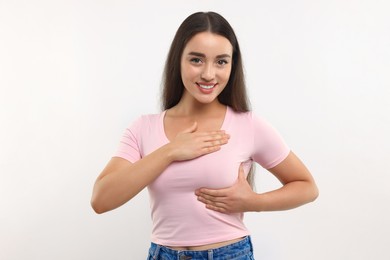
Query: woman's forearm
(291,195)
(125,180)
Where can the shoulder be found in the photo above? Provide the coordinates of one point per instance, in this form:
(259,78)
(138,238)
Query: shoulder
(151,117)
(237,114)
(251,120)
(146,120)
(248,116)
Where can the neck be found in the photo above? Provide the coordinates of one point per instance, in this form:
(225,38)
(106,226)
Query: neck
(198,109)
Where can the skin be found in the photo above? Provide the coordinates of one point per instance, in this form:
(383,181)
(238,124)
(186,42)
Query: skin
(193,128)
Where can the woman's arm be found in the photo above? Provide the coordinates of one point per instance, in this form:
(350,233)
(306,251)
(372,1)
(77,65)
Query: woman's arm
(298,188)
(121,180)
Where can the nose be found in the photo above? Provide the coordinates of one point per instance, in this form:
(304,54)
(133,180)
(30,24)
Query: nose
(208,72)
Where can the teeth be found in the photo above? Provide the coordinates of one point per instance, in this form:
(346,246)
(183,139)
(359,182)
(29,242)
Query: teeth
(206,87)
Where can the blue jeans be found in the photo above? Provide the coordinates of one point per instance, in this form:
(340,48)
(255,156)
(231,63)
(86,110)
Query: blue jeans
(241,250)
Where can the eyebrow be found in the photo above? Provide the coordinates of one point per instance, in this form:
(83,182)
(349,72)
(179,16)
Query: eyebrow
(198,54)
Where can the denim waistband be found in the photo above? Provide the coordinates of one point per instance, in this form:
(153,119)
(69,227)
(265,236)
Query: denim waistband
(232,251)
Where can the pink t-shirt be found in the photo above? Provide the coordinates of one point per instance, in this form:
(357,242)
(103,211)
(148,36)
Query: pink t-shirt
(179,219)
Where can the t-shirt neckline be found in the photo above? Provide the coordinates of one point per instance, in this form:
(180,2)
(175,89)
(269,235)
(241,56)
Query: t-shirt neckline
(223,126)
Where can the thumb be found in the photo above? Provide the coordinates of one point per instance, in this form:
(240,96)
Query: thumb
(192,128)
(241,173)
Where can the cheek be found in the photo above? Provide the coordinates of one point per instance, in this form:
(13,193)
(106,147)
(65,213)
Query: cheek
(225,75)
(189,72)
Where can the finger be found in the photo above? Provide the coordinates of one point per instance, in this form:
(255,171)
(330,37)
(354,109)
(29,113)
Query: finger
(215,201)
(211,149)
(216,132)
(220,136)
(217,205)
(212,146)
(216,142)
(218,209)
(213,135)
(212,193)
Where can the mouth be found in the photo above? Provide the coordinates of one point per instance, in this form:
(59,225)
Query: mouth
(206,86)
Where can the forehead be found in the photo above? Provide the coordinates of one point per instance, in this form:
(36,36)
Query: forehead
(209,43)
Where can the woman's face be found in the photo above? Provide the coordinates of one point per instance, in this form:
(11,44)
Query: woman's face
(206,64)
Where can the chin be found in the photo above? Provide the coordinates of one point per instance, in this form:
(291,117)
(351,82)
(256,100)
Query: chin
(206,101)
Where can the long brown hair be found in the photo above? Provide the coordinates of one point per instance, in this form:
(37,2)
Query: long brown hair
(234,94)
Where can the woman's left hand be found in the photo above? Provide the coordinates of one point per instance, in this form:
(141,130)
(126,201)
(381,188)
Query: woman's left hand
(234,199)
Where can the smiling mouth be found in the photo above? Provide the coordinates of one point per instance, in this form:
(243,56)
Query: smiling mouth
(208,86)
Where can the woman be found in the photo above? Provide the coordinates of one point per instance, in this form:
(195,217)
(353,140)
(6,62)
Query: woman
(195,156)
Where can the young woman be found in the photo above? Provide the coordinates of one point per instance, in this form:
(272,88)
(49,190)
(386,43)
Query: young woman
(195,156)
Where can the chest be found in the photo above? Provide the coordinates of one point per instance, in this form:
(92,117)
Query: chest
(174,125)
(216,170)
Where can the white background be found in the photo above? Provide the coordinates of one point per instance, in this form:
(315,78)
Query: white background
(74,74)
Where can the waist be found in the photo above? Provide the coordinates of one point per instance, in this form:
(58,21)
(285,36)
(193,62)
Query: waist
(242,247)
(200,227)
(206,247)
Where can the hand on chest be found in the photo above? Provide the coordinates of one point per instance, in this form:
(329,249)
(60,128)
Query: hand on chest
(216,170)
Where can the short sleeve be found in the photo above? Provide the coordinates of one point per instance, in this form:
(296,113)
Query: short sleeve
(129,148)
(269,148)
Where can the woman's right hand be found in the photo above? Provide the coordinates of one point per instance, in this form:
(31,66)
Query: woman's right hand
(190,144)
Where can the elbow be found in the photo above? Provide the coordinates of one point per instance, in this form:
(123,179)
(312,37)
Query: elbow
(97,208)
(314,193)
(99,200)
(317,194)
(97,205)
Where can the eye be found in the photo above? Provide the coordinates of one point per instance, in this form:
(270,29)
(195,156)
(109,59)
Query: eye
(195,60)
(222,62)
